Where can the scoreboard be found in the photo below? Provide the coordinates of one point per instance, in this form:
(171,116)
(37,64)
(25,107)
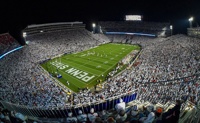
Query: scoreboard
(133,18)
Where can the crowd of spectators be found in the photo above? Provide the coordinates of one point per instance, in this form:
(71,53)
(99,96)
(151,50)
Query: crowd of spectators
(7,116)
(26,83)
(7,43)
(163,62)
(133,114)
(135,26)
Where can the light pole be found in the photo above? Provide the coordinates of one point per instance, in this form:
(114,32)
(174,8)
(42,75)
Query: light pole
(190,20)
(93,25)
(24,35)
(171,28)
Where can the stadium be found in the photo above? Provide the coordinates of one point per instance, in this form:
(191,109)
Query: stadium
(65,71)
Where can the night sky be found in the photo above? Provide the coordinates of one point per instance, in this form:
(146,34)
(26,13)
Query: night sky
(17,14)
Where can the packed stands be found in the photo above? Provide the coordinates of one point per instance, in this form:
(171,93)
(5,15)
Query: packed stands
(193,32)
(7,43)
(158,29)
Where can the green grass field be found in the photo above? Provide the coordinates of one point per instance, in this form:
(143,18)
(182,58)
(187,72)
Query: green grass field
(83,69)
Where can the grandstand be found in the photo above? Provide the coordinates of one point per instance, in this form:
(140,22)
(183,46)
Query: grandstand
(164,71)
(194,32)
(136,27)
(7,44)
(51,27)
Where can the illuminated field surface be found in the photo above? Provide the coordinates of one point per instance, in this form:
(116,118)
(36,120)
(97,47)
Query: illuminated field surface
(85,69)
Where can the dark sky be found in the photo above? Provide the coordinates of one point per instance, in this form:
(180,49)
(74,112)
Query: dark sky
(17,14)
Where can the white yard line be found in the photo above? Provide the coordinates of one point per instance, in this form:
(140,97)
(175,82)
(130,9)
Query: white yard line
(106,70)
(82,70)
(90,68)
(73,77)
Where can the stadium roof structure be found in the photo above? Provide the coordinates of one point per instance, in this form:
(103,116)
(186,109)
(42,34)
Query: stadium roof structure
(50,27)
(57,23)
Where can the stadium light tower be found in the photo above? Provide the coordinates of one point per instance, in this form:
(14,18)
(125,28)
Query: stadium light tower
(93,26)
(24,35)
(190,20)
(171,28)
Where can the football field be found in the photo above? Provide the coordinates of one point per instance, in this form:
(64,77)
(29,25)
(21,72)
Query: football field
(85,69)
